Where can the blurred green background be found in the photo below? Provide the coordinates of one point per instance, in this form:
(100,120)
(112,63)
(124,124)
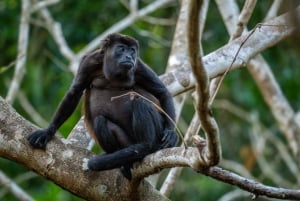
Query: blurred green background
(47,78)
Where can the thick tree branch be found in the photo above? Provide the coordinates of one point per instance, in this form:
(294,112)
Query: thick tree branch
(177,59)
(218,61)
(62,163)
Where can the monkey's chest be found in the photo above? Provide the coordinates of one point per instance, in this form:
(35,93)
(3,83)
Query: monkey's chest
(116,104)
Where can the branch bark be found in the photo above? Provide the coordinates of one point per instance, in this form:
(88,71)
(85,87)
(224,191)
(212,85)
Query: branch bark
(211,153)
(62,163)
(216,63)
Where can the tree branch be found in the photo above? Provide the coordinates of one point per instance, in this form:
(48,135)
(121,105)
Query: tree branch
(14,188)
(218,61)
(62,163)
(244,18)
(22,52)
(249,185)
(265,80)
(212,154)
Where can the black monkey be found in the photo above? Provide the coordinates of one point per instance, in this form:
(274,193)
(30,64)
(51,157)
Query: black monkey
(127,126)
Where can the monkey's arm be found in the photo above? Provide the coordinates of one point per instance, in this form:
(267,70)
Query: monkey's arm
(40,138)
(146,78)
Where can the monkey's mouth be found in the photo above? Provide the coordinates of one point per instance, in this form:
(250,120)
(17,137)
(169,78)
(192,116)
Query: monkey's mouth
(127,64)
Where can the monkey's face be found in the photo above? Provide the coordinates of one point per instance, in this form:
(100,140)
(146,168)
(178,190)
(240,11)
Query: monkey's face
(125,56)
(120,62)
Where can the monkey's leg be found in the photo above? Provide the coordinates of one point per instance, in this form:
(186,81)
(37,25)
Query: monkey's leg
(110,136)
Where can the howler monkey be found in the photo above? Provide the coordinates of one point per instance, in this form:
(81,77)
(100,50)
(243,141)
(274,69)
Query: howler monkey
(128,126)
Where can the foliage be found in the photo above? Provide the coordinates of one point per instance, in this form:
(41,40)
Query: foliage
(47,78)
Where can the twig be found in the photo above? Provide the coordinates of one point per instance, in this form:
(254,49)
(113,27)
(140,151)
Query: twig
(244,18)
(10,65)
(132,95)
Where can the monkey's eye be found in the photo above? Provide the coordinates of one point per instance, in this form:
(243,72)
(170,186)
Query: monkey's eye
(120,49)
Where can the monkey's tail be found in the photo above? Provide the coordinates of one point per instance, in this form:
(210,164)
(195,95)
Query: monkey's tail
(122,157)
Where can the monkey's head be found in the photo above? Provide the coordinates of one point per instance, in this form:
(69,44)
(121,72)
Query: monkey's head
(120,54)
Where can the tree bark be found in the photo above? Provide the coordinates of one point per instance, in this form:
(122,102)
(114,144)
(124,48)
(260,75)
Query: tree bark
(62,163)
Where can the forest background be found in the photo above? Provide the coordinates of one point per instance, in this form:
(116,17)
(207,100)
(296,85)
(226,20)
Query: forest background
(253,143)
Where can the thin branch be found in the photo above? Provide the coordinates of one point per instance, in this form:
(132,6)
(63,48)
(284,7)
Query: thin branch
(273,11)
(19,179)
(212,154)
(56,31)
(249,185)
(159,21)
(30,110)
(189,158)
(259,143)
(134,6)
(42,4)
(127,21)
(14,188)
(22,52)
(155,37)
(244,18)
(124,23)
(236,167)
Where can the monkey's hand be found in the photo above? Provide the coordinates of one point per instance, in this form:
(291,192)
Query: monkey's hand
(169,138)
(40,138)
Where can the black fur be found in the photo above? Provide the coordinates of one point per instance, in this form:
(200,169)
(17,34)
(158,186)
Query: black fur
(127,127)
